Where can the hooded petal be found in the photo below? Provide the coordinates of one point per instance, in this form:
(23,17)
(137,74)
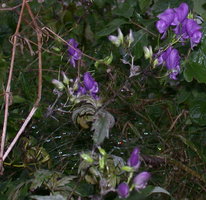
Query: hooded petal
(90,84)
(192,26)
(196,38)
(162,26)
(180,13)
(168,16)
(173,59)
(123,190)
(72,42)
(81,90)
(140,181)
(73,51)
(134,159)
(88,81)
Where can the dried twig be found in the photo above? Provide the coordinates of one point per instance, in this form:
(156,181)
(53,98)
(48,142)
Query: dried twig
(36,104)
(8,88)
(12,8)
(175,121)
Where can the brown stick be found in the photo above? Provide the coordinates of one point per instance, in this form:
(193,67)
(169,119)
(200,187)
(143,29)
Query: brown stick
(39,92)
(12,8)
(8,88)
(175,121)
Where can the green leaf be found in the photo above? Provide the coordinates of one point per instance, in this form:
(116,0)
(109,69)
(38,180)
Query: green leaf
(195,71)
(144,4)
(83,189)
(161,5)
(183,95)
(101,125)
(125,9)
(158,189)
(199,8)
(198,111)
(111,27)
(195,68)
(39,177)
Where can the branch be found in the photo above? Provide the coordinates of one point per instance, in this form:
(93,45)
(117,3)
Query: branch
(12,8)
(8,88)
(39,92)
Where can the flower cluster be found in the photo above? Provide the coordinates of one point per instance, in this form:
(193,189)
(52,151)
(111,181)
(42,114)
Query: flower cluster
(139,181)
(184,27)
(74,53)
(75,88)
(89,86)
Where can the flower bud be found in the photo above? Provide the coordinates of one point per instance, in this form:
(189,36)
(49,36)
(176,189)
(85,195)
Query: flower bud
(134,160)
(130,38)
(117,40)
(155,63)
(140,181)
(58,84)
(148,52)
(123,190)
(65,79)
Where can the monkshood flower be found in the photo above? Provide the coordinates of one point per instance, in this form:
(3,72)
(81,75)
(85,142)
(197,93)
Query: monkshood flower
(141,180)
(172,17)
(165,20)
(117,40)
(123,190)
(89,86)
(192,30)
(74,53)
(171,59)
(180,14)
(183,27)
(134,159)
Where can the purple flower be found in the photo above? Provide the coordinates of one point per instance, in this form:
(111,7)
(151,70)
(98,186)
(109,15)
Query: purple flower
(81,90)
(89,86)
(180,14)
(134,160)
(140,181)
(166,18)
(123,190)
(184,27)
(171,59)
(74,53)
(193,31)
